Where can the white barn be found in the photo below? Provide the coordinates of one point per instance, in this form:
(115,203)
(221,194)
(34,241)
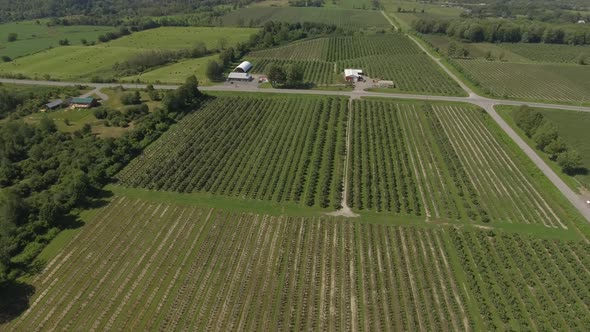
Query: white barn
(234,76)
(353,75)
(243,67)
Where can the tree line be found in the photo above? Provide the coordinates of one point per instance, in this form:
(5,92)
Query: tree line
(16,103)
(515,31)
(45,174)
(546,137)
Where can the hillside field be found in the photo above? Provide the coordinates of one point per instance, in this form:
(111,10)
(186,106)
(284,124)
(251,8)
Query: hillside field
(280,148)
(34,37)
(176,73)
(381,56)
(147,265)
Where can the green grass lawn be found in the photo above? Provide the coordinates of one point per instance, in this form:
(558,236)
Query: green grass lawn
(176,73)
(35,37)
(573,128)
(69,62)
(183,37)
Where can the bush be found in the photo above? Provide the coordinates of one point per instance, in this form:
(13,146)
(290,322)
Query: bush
(12,37)
(131,98)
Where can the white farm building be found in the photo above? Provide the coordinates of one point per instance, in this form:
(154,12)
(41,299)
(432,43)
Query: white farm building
(353,75)
(243,67)
(240,73)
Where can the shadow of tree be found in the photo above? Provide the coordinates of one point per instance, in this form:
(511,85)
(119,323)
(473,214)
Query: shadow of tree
(14,300)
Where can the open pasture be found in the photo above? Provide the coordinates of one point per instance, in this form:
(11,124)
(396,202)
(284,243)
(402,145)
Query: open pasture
(69,62)
(536,82)
(183,37)
(348,19)
(388,56)
(176,73)
(445,162)
(34,37)
(143,265)
(280,148)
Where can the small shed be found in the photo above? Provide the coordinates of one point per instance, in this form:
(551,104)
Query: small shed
(80,102)
(353,75)
(54,104)
(234,76)
(244,67)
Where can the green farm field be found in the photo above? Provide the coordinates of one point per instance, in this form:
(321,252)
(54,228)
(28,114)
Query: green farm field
(147,265)
(348,19)
(183,37)
(550,53)
(388,56)
(280,148)
(412,11)
(528,81)
(572,128)
(446,162)
(33,37)
(69,62)
(176,73)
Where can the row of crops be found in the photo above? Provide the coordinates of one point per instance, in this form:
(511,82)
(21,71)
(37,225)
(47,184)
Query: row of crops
(279,149)
(556,53)
(550,82)
(384,56)
(319,72)
(526,284)
(146,266)
(442,162)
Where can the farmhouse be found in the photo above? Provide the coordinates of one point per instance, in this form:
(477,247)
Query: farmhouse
(80,102)
(243,67)
(54,104)
(353,75)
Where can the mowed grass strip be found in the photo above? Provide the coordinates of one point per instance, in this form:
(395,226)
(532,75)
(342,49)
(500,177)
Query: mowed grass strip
(280,148)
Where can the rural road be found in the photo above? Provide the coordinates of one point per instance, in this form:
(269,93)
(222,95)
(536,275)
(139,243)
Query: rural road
(473,98)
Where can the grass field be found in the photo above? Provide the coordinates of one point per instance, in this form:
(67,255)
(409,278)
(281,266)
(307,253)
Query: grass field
(446,163)
(183,37)
(573,128)
(84,62)
(411,11)
(543,82)
(33,37)
(388,56)
(281,148)
(348,19)
(176,73)
(144,265)
(476,50)
(70,62)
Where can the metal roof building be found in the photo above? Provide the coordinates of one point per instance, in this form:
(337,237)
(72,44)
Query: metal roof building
(239,77)
(54,104)
(244,67)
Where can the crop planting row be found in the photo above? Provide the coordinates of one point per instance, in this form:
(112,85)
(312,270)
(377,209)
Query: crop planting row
(410,73)
(352,47)
(564,83)
(279,149)
(443,162)
(526,284)
(308,50)
(150,266)
(319,72)
(558,53)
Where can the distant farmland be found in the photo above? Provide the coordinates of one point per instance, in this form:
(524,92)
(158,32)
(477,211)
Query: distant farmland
(144,265)
(282,148)
(348,19)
